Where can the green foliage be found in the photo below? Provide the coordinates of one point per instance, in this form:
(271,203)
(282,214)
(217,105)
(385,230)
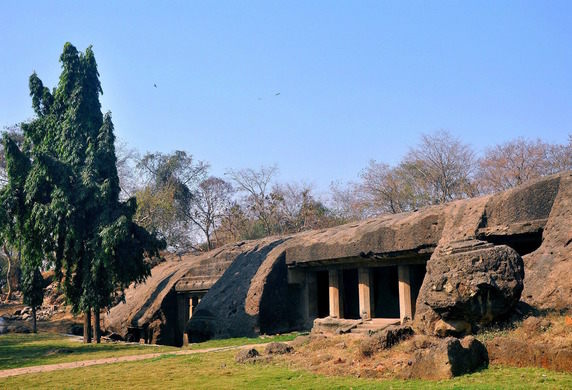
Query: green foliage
(165,201)
(63,191)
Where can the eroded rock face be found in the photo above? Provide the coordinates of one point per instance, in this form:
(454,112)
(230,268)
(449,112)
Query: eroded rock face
(447,358)
(523,353)
(467,285)
(385,339)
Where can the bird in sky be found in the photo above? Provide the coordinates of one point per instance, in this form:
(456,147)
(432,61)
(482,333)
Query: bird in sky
(277,93)
(155,85)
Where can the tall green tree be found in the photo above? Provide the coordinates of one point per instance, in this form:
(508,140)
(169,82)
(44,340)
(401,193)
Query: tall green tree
(75,219)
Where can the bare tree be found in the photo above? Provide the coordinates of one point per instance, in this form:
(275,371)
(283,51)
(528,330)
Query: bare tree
(512,163)
(299,210)
(559,157)
(346,201)
(443,167)
(127,159)
(234,225)
(256,187)
(438,170)
(209,205)
(384,189)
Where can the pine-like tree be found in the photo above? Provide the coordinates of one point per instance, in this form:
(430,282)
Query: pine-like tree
(75,218)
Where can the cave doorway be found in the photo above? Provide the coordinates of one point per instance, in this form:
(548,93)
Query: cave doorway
(523,243)
(385,294)
(350,295)
(323,297)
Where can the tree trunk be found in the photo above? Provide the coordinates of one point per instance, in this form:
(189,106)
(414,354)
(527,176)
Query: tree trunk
(96,326)
(87,326)
(34,323)
(8,273)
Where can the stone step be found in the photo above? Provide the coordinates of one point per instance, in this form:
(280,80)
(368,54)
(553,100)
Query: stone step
(374,325)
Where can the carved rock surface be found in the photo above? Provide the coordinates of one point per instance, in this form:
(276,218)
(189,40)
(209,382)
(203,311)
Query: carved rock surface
(468,286)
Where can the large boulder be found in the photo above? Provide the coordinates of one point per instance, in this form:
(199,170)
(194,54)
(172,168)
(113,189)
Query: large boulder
(468,284)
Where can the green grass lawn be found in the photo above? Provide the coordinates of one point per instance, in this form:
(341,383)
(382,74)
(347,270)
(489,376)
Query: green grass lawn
(24,350)
(218,370)
(244,341)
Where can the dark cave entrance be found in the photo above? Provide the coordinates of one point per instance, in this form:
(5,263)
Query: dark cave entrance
(385,294)
(323,285)
(350,295)
(523,243)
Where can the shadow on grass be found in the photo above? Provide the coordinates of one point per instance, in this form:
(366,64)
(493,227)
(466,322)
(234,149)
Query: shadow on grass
(30,350)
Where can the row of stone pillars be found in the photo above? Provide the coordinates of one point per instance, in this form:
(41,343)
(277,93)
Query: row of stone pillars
(364,292)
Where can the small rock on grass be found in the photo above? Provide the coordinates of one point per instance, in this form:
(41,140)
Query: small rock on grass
(278,349)
(246,355)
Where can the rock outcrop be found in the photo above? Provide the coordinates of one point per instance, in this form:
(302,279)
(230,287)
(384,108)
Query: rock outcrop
(149,311)
(385,339)
(469,284)
(447,358)
(250,291)
(227,310)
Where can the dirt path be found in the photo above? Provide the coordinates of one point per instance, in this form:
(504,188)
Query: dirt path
(120,359)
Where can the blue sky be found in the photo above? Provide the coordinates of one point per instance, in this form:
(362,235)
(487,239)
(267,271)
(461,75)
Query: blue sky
(357,80)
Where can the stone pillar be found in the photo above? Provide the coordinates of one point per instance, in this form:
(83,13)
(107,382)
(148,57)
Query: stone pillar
(334,293)
(364,293)
(341,291)
(405,303)
(183,309)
